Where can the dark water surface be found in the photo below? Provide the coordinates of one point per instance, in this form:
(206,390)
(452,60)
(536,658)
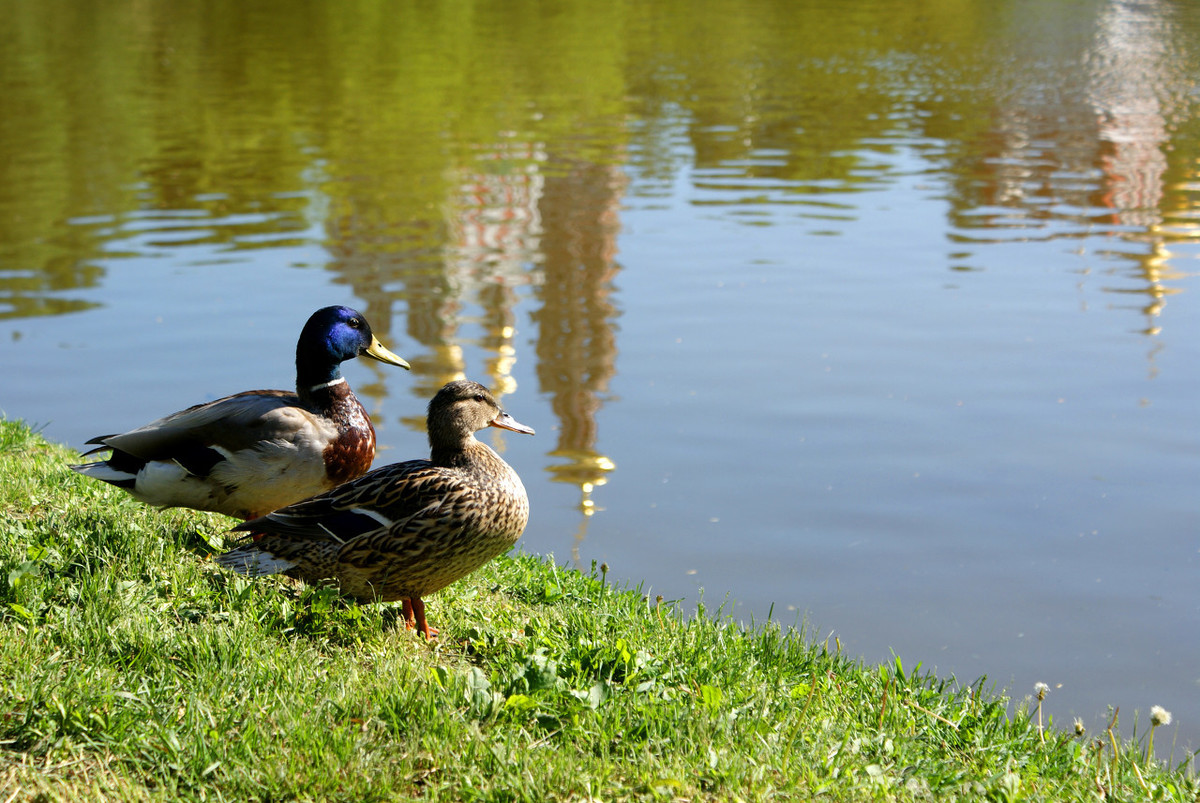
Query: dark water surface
(881,314)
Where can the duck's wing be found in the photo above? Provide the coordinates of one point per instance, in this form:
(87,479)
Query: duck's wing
(232,423)
(387,499)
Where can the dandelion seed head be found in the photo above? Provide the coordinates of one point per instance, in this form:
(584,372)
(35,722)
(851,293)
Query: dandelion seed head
(1079,729)
(1041,689)
(1159,716)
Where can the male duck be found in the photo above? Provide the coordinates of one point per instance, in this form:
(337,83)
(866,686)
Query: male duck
(247,454)
(406,530)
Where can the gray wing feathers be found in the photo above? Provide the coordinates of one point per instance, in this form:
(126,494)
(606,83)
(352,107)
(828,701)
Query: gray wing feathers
(234,423)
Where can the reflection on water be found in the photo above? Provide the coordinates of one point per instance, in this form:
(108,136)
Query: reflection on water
(495,233)
(368,135)
(576,346)
(470,168)
(1131,64)
(1129,61)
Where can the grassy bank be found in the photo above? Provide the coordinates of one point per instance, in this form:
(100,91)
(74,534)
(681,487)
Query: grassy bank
(131,668)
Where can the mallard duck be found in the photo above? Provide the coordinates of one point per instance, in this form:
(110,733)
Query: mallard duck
(406,530)
(247,454)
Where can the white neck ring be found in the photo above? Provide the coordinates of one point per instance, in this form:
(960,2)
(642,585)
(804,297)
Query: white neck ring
(340,380)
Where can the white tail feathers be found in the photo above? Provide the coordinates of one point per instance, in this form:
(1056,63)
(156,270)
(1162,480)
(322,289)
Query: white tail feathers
(253,562)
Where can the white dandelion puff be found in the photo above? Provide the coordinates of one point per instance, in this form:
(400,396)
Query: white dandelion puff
(1158,716)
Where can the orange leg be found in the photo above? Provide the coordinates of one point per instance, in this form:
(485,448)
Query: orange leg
(414,616)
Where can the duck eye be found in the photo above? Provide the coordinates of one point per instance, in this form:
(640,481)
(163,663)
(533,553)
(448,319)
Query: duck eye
(480,397)
(355,323)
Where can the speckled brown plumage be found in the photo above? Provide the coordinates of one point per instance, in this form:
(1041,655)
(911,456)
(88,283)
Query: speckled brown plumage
(409,529)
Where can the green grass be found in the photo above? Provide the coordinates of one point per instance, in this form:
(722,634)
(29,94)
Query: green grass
(131,668)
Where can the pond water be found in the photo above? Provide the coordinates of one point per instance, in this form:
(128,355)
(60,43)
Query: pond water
(880,316)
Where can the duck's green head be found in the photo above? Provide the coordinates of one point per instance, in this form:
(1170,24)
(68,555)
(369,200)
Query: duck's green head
(332,336)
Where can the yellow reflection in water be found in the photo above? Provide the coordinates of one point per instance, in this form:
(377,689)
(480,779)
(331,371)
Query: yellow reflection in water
(576,346)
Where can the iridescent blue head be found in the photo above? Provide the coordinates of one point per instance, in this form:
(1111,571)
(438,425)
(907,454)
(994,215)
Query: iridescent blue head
(332,336)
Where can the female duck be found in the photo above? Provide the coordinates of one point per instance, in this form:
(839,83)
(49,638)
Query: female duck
(247,454)
(406,530)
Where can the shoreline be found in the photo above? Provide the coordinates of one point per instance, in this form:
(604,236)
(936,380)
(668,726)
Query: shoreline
(134,668)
